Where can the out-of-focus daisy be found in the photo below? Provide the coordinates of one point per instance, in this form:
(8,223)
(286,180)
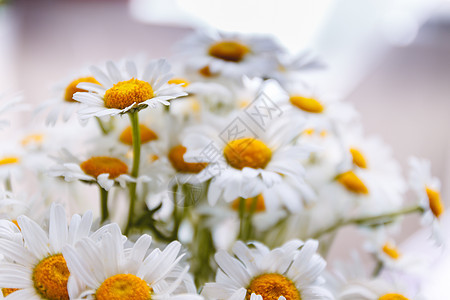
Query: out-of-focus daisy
(62,103)
(35,268)
(291,272)
(247,163)
(120,91)
(123,273)
(10,103)
(229,55)
(427,188)
(104,170)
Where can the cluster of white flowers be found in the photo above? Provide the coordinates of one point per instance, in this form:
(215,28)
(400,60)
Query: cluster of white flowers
(217,154)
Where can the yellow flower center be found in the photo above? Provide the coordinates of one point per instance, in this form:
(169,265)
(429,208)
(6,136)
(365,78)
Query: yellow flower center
(179,164)
(16,223)
(50,278)
(125,93)
(7,291)
(273,286)
(72,87)
(124,287)
(147,135)
(32,138)
(247,152)
(206,72)
(182,81)
(310,105)
(358,158)
(229,50)
(393,296)
(97,165)
(9,160)
(352,183)
(436,204)
(259,207)
(391,251)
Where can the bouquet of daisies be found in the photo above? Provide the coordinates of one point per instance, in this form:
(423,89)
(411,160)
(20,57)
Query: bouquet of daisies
(223,174)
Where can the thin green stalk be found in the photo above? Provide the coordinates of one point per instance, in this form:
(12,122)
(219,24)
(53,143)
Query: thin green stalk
(378,268)
(383,218)
(104,204)
(104,130)
(176,217)
(134,119)
(8,184)
(241,217)
(249,220)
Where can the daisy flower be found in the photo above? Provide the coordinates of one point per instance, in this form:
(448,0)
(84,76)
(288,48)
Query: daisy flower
(121,91)
(246,164)
(428,191)
(10,104)
(231,55)
(35,268)
(291,272)
(104,170)
(103,269)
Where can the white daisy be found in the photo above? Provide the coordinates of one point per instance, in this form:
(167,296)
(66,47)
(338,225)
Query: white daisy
(291,272)
(428,191)
(250,162)
(103,268)
(35,268)
(122,91)
(10,103)
(229,55)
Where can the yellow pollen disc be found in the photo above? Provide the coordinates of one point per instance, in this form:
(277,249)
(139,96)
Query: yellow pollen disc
(358,158)
(97,165)
(7,291)
(393,296)
(178,163)
(247,152)
(229,51)
(9,160)
(125,93)
(352,183)
(16,223)
(273,286)
(436,204)
(206,72)
(391,251)
(72,87)
(32,138)
(147,135)
(124,287)
(310,105)
(308,131)
(260,205)
(50,278)
(153,158)
(182,81)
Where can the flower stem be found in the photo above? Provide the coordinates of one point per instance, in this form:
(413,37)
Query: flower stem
(104,204)
(367,221)
(102,126)
(134,119)
(241,218)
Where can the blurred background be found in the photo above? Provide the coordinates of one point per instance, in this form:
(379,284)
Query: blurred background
(390,58)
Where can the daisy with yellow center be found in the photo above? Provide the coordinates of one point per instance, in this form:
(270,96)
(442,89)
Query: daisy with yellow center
(36,269)
(229,55)
(291,272)
(124,273)
(120,92)
(379,289)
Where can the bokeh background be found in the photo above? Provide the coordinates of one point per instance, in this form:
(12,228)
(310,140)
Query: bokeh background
(390,58)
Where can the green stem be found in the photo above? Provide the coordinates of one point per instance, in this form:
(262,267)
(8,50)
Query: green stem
(249,220)
(378,268)
(102,126)
(8,184)
(134,119)
(241,218)
(384,218)
(176,218)
(104,204)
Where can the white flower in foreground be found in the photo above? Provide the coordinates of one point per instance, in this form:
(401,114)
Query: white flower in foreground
(229,54)
(121,91)
(291,272)
(104,269)
(104,170)
(35,269)
(428,190)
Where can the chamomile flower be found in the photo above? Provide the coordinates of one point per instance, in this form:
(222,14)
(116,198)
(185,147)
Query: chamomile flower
(427,189)
(229,55)
(291,272)
(245,164)
(35,268)
(10,103)
(103,269)
(104,170)
(121,91)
